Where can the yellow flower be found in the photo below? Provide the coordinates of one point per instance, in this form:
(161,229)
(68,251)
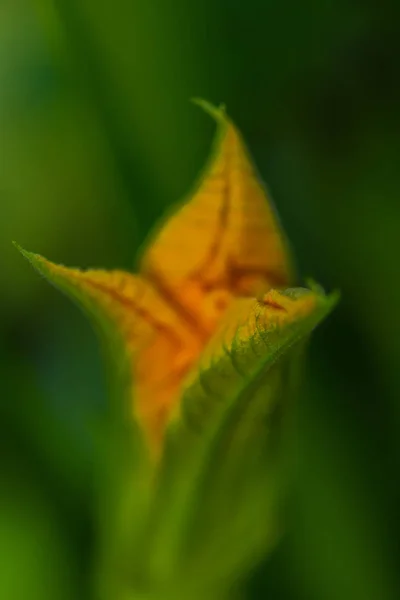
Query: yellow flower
(208,273)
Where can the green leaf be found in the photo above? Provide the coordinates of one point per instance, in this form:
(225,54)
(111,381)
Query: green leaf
(216,507)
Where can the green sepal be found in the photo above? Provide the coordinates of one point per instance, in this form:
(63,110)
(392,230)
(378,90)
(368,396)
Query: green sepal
(215,509)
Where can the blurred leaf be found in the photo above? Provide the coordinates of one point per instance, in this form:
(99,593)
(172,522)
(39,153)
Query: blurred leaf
(36,557)
(116,56)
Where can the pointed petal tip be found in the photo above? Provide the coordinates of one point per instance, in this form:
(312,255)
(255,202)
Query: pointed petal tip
(25,253)
(37,261)
(31,256)
(17,246)
(217,112)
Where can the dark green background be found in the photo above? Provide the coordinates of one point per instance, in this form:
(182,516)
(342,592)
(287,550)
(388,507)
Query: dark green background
(97,137)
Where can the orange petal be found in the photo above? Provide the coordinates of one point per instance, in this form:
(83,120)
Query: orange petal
(159,347)
(226,238)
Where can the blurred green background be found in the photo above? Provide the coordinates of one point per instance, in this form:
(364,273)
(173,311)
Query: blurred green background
(97,137)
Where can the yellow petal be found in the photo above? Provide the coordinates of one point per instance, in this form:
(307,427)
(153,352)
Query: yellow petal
(225,241)
(159,346)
